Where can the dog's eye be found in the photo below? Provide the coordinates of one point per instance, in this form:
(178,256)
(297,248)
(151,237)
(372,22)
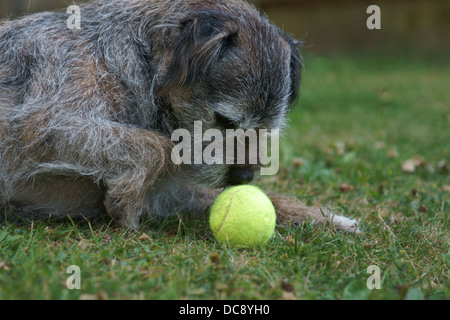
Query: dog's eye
(224,121)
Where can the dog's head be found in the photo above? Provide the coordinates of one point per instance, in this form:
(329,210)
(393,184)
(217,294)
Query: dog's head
(229,70)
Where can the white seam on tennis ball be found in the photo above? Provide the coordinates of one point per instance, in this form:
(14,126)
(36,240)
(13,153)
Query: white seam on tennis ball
(228,211)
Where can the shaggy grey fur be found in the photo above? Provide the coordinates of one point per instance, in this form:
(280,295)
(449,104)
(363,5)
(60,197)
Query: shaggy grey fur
(86,115)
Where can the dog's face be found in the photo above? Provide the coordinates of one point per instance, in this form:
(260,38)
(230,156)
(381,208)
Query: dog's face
(230,72)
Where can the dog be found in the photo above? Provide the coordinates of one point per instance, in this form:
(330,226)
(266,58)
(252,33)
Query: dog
(86,114)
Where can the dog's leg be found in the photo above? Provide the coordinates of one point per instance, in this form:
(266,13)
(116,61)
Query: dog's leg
(176,196)
(127,161)
(290,210)
(139,159)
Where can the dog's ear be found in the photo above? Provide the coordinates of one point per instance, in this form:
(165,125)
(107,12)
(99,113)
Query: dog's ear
(204,38)
(296,66)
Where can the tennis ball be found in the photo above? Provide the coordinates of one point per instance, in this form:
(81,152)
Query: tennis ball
(243,215)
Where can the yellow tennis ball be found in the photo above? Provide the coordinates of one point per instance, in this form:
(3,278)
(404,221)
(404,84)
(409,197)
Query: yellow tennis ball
(243,215)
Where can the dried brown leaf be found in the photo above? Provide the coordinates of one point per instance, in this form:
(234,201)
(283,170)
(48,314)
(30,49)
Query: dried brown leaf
(345,187)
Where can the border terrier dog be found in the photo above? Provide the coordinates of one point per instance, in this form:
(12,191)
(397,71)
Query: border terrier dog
(86,114)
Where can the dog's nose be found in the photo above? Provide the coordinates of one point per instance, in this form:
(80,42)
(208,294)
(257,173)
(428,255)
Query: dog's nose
(240,176)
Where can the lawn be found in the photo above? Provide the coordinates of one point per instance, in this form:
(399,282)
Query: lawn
(369,139)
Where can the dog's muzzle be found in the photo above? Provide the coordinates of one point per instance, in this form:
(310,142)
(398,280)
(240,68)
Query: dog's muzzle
(240,176)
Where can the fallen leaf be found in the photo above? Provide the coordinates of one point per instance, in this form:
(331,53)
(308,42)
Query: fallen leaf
(442,167)
(422,209)
(144,237)
(288,296)
(89,296)
(287,286)
(198,291)
(83,243)
(410,165)
(3,265)
(221,286)
(290,240)
(298,162)
(214,257)
(340,147)
(345,187)
(393,153)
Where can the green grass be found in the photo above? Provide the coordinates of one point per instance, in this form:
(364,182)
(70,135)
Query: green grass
(359,118)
